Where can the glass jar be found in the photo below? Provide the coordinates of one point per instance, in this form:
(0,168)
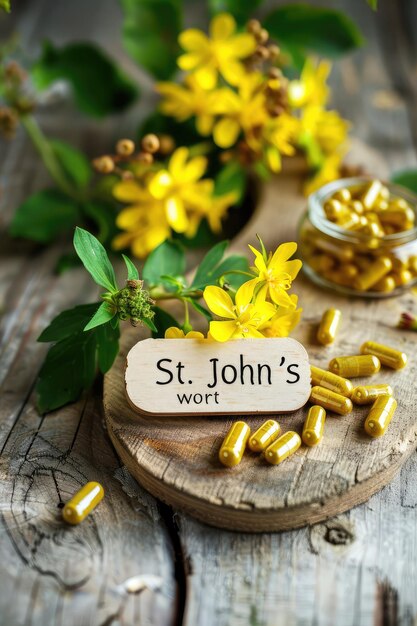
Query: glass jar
(344,260)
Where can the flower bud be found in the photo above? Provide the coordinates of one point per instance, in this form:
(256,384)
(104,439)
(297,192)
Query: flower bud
(150,143)
(125,147)
(104,164)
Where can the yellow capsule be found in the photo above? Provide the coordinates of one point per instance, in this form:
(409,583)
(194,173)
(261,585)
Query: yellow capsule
(356,206)
(233,446)
(330,400)
(331,381)
(325,262)
(338,277)
(283,447)
(349,271)
(377,270)
(380,416)
(398,204)
(334,209)
(329,326)
(370,193)
(390,357)
(399,264)
(368,394)
(342,253)
(412,264)
(342,195)
(372,229)
(314,426)
(401,218)
(403,277)
(354,366)
(82,503)
(381,205)
(264,436)
(384,194)
(385,285)
(350,221)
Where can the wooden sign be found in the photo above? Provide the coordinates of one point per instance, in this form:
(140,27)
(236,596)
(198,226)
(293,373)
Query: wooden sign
(192,376)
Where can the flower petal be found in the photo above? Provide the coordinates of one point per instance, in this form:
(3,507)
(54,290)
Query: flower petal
(233,71)
(193,40)
(160,184)
(244,293)
(292,268)
(219,302)
(206,77)
(174,333)
(204,124)
(259,260)
(243,45)
(226,132)
(222,26)
(222,331)
(176,215)
(177,162)
(188,62)
(282,254)
(194,169)
(280,296)
(128,191)
(194,334)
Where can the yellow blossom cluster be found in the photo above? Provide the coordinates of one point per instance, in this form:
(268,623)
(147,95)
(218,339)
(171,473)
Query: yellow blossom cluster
(250,109)
(167,196)
(262,306)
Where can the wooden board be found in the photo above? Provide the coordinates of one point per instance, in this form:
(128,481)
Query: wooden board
(202,377)
(175,458)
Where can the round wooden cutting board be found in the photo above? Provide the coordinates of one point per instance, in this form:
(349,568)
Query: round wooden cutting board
(175,458)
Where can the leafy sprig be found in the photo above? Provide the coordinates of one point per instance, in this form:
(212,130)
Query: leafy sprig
(86,338)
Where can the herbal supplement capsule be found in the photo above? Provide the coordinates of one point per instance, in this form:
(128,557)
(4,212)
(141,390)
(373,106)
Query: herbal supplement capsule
(331,400)
(331,381)
(334,209)
(264,436)
(354,366)
(368,394)
(372,229)
(397,217)
(388,356)
(342,253)
(370,193)
(384,194)
(380,416)
(325,262)
(385,285)
(402,277)
(233,446)
(357,206)
(82,503)
(328,326)
(412,264)
(314,426)
(343,195)
(349,271)
(350,221)
(283,447)
(373,274)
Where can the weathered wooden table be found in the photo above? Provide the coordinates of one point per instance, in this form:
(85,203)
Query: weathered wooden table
(356,569)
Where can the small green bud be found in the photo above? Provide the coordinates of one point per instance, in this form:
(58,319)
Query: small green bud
(133,303)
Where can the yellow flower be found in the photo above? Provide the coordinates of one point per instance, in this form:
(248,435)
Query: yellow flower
(222,52)
(219,206)
(188,100)
(329,170)
(179,187)
(242,111)
(242,317)
(312,87)
(276,273)
(328,128)
(177,333)
(283,322)
(143,221)
(280,135)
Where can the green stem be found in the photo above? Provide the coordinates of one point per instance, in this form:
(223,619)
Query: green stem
(47,155)
(156,293)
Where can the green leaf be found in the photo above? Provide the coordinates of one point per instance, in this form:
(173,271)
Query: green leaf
(406,178)
(5,5)
(107,345)
(99,87)
(73,162)
(167,259)
(69,322)
(95,259)
(208,264)
(241,10)
(150,34)
(69,368)
(373,4)
(308,28)
(132,272)
(232,177)
(162,321)
(44,216)
(149,323)
(200,309)
(104,314)
(236,263)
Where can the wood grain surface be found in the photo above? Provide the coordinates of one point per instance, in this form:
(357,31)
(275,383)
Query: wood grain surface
(176,458)
(357,569)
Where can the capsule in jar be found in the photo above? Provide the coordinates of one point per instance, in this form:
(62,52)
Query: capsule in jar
(264,436)
(82,503)
(380,416)
(233,446)
(331,381)
(329,325)
(402,277)
(314,426)
(390,357)
(385,285)
(283,447)
(376,270)
(330,400)
(370,193)
(342,195)
(354,366)
(366,394)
